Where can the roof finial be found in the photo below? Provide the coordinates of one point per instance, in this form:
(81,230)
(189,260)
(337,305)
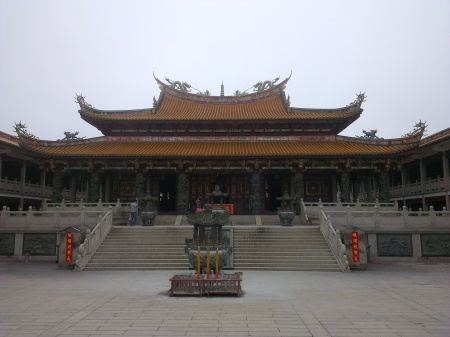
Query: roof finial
(222,91)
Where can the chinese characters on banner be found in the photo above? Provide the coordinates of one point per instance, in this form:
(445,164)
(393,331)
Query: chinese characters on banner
(229,206)
(69,242)
(355,246)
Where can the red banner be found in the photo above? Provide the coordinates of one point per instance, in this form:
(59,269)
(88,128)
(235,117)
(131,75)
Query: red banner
(355,246)
(69,242)
(229,206)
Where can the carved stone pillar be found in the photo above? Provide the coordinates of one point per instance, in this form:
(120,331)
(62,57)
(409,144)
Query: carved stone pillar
(298,190)
(344,183)
(139,188)
(182,193)
(256,197)
(94,187)
(57,187)
(73,187)
(383,187)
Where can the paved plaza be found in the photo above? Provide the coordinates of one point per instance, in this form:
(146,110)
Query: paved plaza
(38,299)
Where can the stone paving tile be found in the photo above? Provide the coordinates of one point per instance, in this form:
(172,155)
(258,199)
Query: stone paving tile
(384,301)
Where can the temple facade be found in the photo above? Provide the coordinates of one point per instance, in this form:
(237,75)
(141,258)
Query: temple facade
(253,146)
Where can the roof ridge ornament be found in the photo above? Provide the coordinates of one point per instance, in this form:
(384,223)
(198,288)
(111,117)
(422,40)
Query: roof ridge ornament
(371,134)
(419,129)
(178,85)
(264,85)
(81,100)
(21,130)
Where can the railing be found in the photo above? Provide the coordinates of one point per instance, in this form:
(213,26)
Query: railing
(312,210)
(14,186)
(93,241)
(29,189)
(48,220)
(377,219)
(118,207)
(334,241)
(429,186)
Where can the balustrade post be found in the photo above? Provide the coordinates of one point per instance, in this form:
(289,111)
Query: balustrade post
(432,216)
(29,216)
(348,216)
(358,205)
(83,216)
(404,216)
(376,217)
(55,219)
(3,217)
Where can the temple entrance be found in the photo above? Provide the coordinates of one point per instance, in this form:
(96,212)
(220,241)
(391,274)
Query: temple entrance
(317,187)
(274,186)
(237,186)
(123,187)
(167,193)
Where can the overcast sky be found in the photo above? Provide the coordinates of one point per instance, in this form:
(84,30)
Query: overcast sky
(398,52)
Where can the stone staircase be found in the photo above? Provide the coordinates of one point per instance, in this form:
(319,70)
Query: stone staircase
(142,248)
(282,248)
(255,247)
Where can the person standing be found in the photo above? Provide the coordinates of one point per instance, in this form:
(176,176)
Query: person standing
(133,213)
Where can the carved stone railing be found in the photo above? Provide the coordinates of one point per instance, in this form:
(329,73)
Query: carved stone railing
(404,219)
(334,241)
(93,240)
(14,186)
(117,207)
(310,211)
(429,186)
(48,220)
(30,189)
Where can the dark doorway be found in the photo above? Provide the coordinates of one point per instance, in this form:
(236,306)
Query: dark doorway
(273,189)
(167,193)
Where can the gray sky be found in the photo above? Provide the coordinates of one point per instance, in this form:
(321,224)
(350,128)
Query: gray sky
(398,52)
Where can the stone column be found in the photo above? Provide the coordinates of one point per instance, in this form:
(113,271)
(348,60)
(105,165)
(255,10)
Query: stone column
(333,187)
(73,188)
(369,188)
(107,193)
(42,176)
(1,165)
(57,187)
(403,185)
(299,190)
(446,179)
(256,196)
(383,185)
(94,187)
(182,193)
(344,183)
(140,186)
(23,174)
(423,178)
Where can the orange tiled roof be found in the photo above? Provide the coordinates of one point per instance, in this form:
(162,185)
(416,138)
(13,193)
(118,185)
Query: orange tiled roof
(174,108)
(136,147)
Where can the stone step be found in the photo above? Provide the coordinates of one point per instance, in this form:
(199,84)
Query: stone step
(255,247)
(291,268)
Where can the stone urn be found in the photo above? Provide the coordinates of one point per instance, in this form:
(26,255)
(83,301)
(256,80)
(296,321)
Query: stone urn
(286,212)
(149,212)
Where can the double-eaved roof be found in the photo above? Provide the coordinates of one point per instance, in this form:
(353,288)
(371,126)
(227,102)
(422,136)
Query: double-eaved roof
(182,125)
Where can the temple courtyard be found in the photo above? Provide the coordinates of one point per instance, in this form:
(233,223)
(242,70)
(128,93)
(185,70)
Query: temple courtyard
(38,299)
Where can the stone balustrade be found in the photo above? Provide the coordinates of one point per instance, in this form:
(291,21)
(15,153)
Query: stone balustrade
(51,220)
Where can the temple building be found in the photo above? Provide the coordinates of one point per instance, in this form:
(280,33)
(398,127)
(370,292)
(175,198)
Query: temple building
(253,145)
